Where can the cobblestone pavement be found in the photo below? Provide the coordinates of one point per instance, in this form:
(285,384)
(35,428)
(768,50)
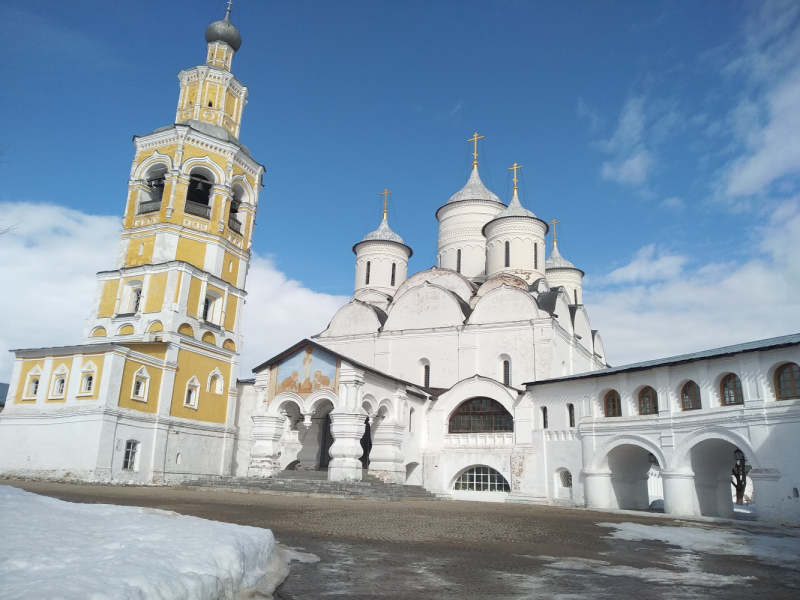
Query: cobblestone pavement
(466,550)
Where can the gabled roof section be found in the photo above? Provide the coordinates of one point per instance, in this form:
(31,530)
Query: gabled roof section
(768,344)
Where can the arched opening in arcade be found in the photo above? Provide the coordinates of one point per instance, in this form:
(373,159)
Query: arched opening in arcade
(635,478)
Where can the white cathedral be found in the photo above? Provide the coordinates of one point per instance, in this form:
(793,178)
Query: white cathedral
(478,379)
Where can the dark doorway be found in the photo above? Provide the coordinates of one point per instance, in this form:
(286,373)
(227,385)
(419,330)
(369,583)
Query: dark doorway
(366,445)
(325,445)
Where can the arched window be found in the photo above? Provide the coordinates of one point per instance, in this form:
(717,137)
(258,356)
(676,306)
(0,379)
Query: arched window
(33,389)
(141,381)
(58,388)
(394,271)
(508,254)
(787,381)
(536,256)
(690,396)
(410,419)
(136,300)
(426,376)
(59,382)
(648,401)
(544,417)
(575,295)
(566,479)
(192,393)
(481,479)
(199,190)
(87,383)
(507,372)
(458,260)
(613,404)
(730,390)
(571,414)
(481,415)
(207,304)
(366,280)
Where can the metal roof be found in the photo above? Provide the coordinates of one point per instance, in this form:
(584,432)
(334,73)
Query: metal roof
(767,344)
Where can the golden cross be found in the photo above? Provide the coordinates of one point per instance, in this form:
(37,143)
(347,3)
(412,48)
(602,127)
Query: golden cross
(475,139)
(514,168)
(553,223)
(385,193)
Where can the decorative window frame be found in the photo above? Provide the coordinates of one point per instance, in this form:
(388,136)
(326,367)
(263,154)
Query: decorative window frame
(134,447)
(35,372)
(794,383)
(214,315)
(617,406)
(60,374)
(141,374)
(88,370)
(219,388)
(193,385)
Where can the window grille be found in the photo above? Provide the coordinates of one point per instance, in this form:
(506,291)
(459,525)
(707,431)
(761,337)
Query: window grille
(481,415)
(481,479)
(507,372)
(731,390)
(544,417)
(571,413)
(787,381)
(648,401)
(366,282)
(129,460)
(458,260)
(690,396)
(136,300)
(394,270)
(566,479)
(613,404)
(508,254)
(426,375)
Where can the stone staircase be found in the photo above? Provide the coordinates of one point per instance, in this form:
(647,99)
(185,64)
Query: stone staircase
(312,483)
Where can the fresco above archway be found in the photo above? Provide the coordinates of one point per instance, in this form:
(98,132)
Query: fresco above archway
(309,369)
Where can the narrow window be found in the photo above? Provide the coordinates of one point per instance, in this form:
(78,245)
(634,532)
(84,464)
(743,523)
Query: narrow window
(731,390)
(410,419)
(544,417)
(507,372)
(458,260)
(210,105)
(648,402)
(571,413)
(136,300)
(59,387)
(141,249)
(129,460)
(191,397)
(34,388)
(508,254)
(575,295)
(138,387)
(787,381)
(192,392)
(536,256)
(230,266)
(394,271)
(690,396)
(366,282)
(209,302)
(88,381)
(613,404)
(427,376)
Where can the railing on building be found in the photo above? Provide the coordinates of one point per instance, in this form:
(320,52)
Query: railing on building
(148,207)
(493,439)
(211,325)
(235,225)
(198,210)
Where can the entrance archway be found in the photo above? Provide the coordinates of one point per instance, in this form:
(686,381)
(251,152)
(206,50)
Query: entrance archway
(630,467)
(712,462)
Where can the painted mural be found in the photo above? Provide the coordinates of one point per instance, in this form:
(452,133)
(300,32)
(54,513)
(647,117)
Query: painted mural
(306,371)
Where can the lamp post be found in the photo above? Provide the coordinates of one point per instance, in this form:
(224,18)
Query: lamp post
(740,470)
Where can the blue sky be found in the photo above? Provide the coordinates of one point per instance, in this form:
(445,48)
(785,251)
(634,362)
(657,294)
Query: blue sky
(660,134)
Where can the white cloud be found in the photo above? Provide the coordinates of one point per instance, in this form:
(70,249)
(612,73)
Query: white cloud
(672,204)
(632,161)
(48,271)
(661,304)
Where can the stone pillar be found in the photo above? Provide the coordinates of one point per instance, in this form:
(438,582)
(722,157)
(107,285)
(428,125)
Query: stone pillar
(597,488)
(767,495)
(265,455)
(386,457)
(679,493)
(347,430)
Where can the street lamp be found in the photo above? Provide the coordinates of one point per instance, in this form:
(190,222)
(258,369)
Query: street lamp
(740,470)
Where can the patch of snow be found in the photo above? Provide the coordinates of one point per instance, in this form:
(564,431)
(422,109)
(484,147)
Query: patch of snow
(783,551)
(60,550)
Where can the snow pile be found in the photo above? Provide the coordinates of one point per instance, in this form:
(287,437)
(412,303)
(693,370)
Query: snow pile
(782,551)
(59,550)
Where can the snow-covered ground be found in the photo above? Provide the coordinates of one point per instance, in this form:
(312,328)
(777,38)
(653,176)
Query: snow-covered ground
(51,549)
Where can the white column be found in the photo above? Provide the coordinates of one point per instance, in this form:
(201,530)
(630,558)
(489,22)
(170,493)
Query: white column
(265,453)
(346,451)
(386,457)
(597,488)
(767,495)
(679,492)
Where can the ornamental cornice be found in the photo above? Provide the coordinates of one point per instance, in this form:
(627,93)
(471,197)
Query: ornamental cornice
(172,265)
(517,225)
(460,232)
(373,248)
(181,230)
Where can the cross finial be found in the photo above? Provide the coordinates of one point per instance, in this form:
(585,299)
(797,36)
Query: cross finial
(514,168)
(385,193)
(553,223)
(228,12)
(475,139)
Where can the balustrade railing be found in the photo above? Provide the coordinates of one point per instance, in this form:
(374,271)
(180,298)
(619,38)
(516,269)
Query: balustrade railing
(235,225)
(198,210)
(149,206)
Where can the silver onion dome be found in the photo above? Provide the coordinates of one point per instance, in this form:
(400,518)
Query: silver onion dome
(224,31)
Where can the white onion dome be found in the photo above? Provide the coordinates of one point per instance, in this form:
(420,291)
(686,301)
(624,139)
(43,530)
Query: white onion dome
(515,209)
(224,31)
(556,261)
(383,233)
(474,190)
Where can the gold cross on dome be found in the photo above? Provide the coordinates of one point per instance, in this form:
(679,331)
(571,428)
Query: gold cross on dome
(385,193)
(475,139)
(514,168)
(553,223)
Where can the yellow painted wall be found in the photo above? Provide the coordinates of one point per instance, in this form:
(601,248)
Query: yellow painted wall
(126,330)
(157,350)
(155,327)
(186,329)
(97,361)
(194,297)
(133,258)
(191,251)
(108,298)
(99,332)
(210,406)
(231,276)
(209,338)
(155,292)
(230,313)
(125,392)
(27,367)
